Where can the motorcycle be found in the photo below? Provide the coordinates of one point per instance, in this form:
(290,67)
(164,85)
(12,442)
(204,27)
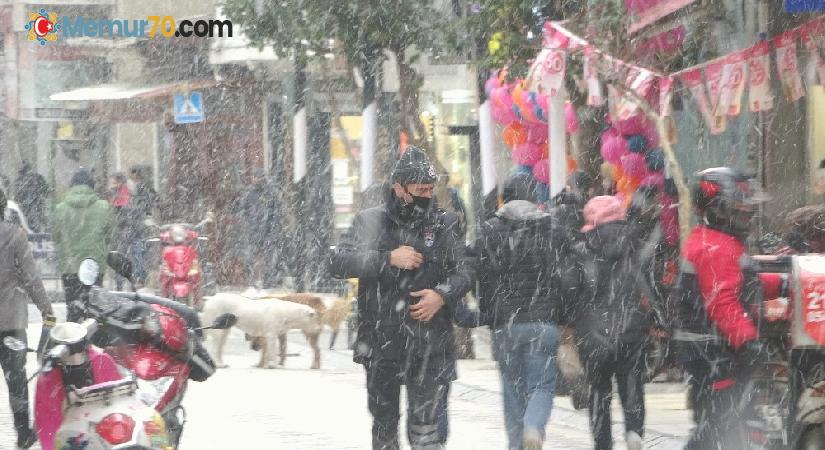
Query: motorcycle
(168,352)
(182,265)
(130,391)
(784,404)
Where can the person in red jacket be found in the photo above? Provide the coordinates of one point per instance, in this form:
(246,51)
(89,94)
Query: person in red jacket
(717,298)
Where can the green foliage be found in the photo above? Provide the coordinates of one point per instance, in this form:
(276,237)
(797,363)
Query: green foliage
(507,32)
(283,24)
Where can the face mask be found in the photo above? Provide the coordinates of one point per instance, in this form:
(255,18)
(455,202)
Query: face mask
(131,185)
(418,207)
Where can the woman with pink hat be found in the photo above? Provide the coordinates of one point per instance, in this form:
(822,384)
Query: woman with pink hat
(611,324)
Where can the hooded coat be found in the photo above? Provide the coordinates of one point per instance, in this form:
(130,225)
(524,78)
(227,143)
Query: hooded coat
(519,266)
(609,300)
(82,228)
(385,330)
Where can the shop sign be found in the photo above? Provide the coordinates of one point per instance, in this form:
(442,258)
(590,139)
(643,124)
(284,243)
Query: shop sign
(795,6)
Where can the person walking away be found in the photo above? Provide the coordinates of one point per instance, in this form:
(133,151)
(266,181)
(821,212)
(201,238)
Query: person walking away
(30,192)
(517,268)
(717,294)
(19,282)
(125,230)
(611,322)
(256,209)
(409,257)
(568,205)
(82,229)
(144,201)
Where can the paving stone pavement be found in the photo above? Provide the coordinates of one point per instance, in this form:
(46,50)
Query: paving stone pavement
(242,407)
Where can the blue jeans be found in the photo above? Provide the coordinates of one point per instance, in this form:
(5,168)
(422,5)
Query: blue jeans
(526,355)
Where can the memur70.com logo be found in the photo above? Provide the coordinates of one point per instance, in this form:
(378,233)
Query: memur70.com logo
(44,26)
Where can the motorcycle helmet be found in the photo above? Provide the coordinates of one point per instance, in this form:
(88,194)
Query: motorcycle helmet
(726,199)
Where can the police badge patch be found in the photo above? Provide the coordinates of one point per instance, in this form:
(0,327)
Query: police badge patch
(429,237)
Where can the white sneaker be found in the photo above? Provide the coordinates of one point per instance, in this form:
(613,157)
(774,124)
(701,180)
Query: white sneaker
(633,441)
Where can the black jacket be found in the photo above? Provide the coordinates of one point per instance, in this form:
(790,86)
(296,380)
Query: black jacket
(519,256)
(610,285)
(385,330)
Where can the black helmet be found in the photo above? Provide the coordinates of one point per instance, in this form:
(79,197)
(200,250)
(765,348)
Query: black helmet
(726,199)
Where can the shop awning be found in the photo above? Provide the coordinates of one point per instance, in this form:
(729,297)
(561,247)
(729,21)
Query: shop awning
(127,91)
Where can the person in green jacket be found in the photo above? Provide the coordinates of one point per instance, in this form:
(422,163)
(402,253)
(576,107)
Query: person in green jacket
(81,228)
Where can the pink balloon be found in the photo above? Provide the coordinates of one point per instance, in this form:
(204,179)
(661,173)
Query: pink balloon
(543,103)
(501,97)
(527,154)
(651,135)
(537,134)
(570,118)
(491,84)
(621,197)
(504,116)
(654,179)
(541,171)
(630,126)
(634,165)
(614,147)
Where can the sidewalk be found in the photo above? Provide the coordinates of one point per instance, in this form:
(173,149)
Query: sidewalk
(242,407)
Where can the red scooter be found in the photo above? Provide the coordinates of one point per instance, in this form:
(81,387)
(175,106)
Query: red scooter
(181,268)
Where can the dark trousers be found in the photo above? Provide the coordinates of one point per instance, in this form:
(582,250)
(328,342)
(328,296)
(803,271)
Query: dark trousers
(14,370)
(424,399)
(75,293)
(714,395)
(602,361)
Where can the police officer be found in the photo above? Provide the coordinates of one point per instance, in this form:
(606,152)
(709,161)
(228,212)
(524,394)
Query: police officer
(409,257)
(19,282)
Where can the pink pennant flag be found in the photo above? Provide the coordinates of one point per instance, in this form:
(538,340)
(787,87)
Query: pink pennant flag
(553,68)
(812,36)
(595,95)
(787,66)
(759,80)
(692,79)
(713,74)
(665,96)
(733,83)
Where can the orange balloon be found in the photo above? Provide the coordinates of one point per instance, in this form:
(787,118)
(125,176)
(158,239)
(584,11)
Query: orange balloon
(623,185)
(514,134)
(618,172)
(571,164)
(545,152)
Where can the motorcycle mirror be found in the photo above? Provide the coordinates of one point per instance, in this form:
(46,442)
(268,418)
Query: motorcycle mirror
(14,344)
(88,272)
(224,321)
(121,264)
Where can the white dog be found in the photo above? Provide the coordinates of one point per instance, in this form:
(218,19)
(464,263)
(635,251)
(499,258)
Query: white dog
(263,318)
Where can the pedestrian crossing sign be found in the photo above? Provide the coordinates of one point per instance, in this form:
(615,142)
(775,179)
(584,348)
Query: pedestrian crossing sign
(189,108)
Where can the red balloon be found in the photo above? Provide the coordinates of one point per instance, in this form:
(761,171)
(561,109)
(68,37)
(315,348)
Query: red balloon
(632,125)
(537,134)
(527,154)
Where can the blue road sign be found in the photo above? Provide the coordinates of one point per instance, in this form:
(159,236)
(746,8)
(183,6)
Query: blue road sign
(189,108)
(795,6)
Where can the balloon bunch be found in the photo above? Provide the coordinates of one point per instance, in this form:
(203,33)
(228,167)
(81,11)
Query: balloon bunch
(631,148)
(524,115)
